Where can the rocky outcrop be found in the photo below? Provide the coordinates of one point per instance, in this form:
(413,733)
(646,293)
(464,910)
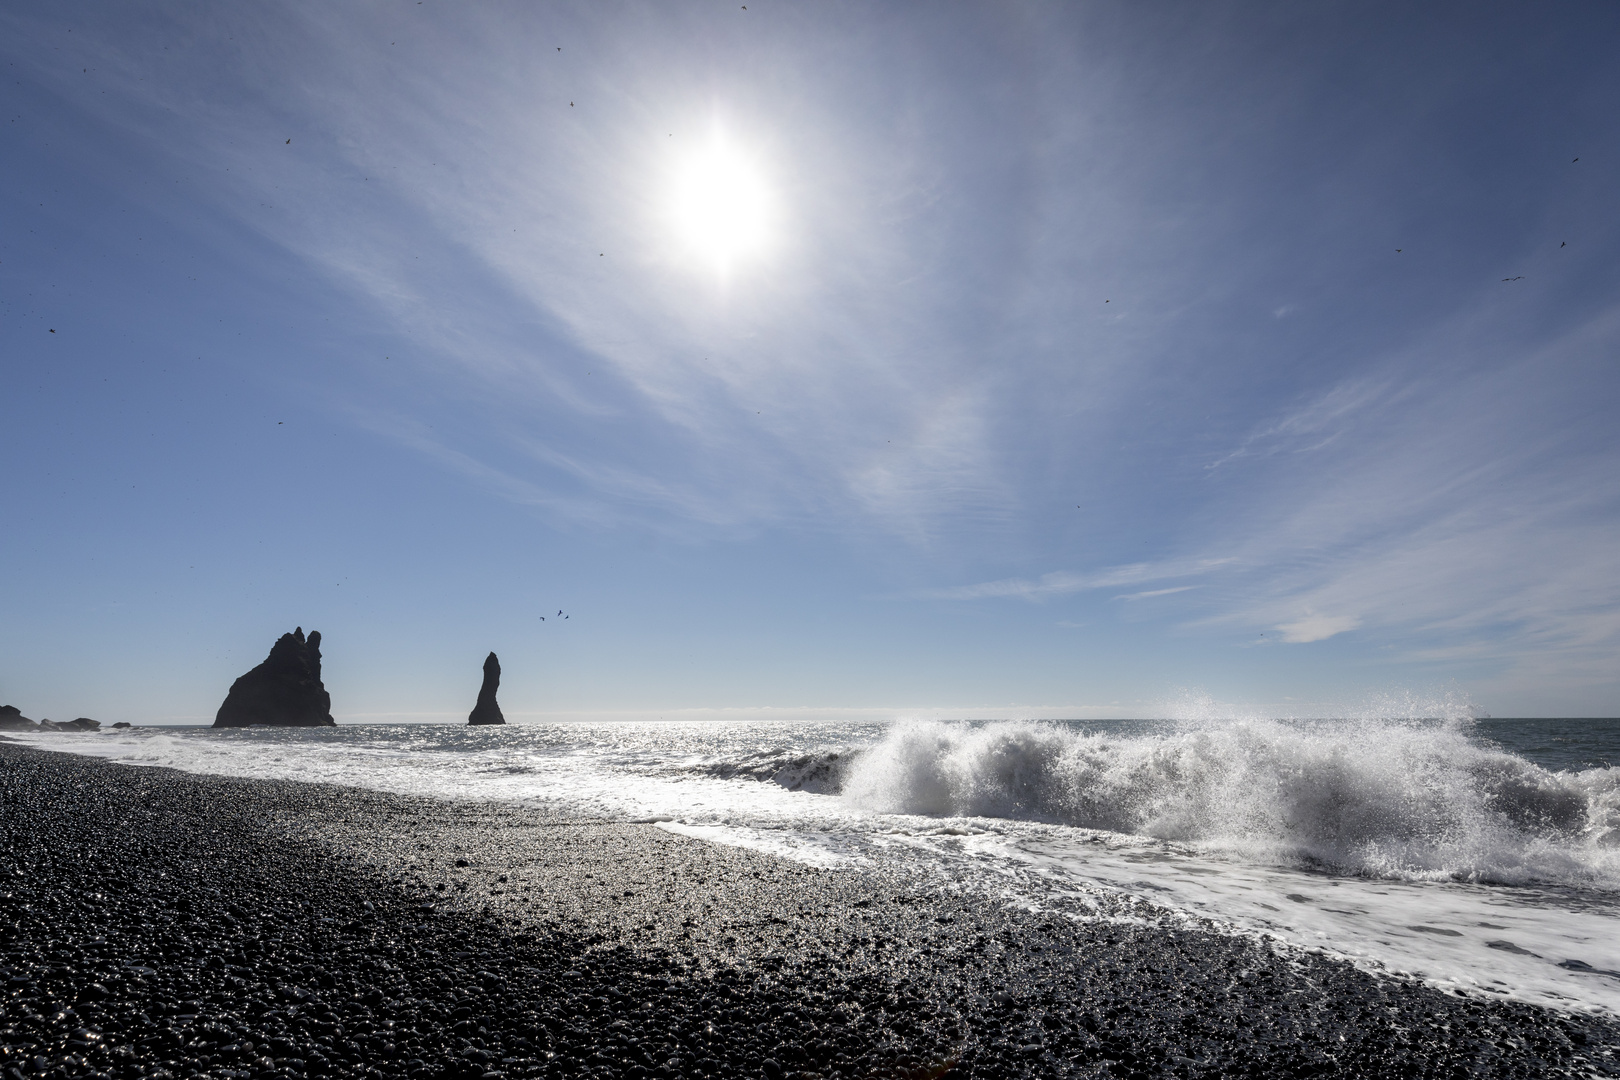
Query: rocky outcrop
(12,719)
(487,711)
(83,723)
(284,691)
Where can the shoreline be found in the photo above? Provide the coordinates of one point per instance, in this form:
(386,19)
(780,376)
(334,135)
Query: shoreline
(164,923)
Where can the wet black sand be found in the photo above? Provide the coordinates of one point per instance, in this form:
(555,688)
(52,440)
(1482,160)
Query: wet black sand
(158,924)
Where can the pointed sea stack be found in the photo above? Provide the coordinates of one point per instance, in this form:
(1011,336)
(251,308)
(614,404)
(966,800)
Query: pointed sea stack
(487,711)
(284,691)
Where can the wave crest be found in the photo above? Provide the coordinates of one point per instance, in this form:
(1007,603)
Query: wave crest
(1383,798)
(819,773)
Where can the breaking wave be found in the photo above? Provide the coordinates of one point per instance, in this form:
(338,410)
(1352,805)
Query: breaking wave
(1378,798)
(818,773)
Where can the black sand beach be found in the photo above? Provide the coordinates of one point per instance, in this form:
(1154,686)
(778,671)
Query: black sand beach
(154,923)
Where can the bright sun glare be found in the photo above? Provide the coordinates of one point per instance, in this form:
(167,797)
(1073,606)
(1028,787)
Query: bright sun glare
(721,205)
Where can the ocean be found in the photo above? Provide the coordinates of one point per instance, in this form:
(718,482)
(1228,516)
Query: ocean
(1482,856)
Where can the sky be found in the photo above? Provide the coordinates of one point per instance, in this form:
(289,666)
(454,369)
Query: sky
(812,360)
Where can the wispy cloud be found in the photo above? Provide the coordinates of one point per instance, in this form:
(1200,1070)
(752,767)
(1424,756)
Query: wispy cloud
(921,365)
(412,433)
(1156,592)
(1317,628)
(1462,521)
(1063,582)
(522,245)
(1312,426)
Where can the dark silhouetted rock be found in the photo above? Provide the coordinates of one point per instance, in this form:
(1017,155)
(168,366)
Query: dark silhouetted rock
(284,691)
(83,723)
(12,719)
(487,711)
(123,723)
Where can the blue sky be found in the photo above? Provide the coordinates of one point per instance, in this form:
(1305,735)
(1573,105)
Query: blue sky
(1085,359)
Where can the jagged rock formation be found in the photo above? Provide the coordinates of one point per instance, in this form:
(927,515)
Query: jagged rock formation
(487,711)
(12,719)
(83,723)
(284,691)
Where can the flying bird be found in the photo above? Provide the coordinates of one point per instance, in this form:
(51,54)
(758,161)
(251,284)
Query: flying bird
(1397,251)
(542,618)
(288,143)
(559,611)
(1519,278)
(1564,244)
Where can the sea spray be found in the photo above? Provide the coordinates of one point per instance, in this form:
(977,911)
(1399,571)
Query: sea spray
(1238,822)
(1391,799)
(819,773)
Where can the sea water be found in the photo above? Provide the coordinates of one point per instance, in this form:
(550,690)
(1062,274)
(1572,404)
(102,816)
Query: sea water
(1480,856)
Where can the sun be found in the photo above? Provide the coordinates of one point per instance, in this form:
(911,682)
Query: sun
(721,205)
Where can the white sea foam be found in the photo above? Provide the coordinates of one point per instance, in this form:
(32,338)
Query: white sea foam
(1394,800)
(1405,846)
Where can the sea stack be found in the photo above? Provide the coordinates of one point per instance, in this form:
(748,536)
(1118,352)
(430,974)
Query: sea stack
(12,719)
(83,723)
(284,691)
(487,711)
